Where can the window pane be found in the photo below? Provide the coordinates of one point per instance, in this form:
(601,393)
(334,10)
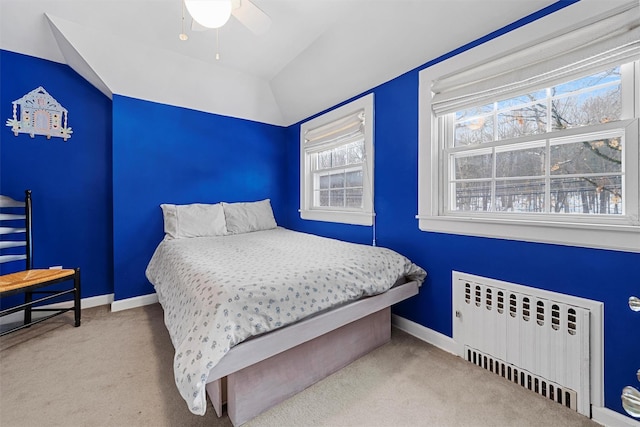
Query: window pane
(337,180)
(355,153)
(590,100)
(323,199)
(522,195)
(529,161)
(522,115)
(473,167)
(339,156)
(350,154)
(521,121)
(474,130)
(324,159)
(354,198)
(324,181)
(472,196)
(586,109)
(336,198)
(593,195)
(340,189)
(354,179)
(601,155)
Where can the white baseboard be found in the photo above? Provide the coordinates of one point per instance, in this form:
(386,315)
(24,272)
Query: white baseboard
(88,303)
(125,304)
(430,336)
(610,418)
(84,303)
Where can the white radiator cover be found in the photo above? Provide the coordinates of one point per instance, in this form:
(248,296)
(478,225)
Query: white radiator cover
(553,341)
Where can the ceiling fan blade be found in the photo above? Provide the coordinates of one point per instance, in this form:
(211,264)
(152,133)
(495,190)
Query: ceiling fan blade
(251,16)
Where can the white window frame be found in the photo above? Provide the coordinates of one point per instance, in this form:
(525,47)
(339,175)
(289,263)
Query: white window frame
(586,231)
(362,216)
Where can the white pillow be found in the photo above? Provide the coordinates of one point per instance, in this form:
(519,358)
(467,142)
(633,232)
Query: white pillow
(195,220)
(251,216)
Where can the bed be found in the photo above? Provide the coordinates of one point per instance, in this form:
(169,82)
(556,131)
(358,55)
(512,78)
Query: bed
(257,312)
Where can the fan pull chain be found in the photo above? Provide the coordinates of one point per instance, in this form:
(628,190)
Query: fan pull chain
(217,44)
(182,36)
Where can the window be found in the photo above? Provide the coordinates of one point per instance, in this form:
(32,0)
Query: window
(523,154)
(546,150)
(336,165)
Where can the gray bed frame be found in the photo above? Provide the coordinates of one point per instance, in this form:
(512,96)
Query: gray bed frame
(264,371)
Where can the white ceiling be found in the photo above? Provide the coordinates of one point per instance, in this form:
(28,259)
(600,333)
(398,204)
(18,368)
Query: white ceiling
(316,53)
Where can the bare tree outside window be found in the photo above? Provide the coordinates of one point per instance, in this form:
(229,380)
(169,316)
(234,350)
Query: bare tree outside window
(498,165)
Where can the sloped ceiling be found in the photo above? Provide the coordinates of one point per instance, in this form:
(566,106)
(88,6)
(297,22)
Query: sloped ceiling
(316,53)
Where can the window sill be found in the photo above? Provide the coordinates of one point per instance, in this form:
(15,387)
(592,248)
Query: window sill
(624,238)
(345,217)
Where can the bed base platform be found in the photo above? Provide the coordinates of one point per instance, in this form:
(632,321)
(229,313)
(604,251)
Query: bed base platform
(258,374)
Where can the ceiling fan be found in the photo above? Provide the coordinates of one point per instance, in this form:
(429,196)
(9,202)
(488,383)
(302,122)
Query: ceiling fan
(208,14)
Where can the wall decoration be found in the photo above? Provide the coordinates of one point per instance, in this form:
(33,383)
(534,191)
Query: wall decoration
(38,113)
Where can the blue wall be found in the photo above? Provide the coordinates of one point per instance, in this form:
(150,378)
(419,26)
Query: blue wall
(71,181)
(164,154)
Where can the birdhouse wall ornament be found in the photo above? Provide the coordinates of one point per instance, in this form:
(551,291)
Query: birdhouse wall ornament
(38,113)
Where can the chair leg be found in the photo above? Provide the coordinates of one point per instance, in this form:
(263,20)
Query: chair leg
(76,296)
(28,298)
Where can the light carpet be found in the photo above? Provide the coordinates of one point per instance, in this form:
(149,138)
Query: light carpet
(116,370)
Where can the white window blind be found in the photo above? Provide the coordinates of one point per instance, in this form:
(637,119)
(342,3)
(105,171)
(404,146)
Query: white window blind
(332,133)
(615,39)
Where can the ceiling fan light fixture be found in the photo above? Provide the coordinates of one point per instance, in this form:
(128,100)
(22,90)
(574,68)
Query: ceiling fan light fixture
(209,13)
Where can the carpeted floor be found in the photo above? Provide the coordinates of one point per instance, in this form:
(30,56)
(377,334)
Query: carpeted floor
(116,370)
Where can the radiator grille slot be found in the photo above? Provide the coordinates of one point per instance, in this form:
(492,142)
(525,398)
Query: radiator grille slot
(562,395)
(540,313)
(513,305)
(572,321)
(555,317)
(535,338)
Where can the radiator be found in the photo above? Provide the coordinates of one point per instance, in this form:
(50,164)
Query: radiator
(534,338)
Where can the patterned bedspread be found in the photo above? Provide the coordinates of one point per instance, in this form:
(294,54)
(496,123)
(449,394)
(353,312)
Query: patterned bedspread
(219,291)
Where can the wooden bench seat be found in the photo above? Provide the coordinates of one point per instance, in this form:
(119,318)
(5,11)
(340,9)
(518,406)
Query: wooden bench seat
(31,279)
(31,282)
